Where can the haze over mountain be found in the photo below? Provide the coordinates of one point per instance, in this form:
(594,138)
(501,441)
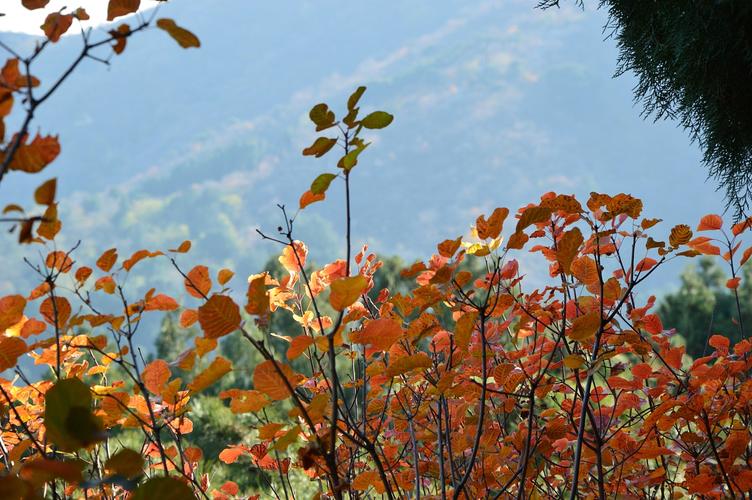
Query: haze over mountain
(495,103)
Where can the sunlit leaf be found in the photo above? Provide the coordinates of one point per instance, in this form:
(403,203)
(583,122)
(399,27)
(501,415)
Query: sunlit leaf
(218,368)
(345,291)
(377,119)
(219,316)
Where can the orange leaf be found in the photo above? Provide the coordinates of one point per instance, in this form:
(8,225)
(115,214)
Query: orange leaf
(219,316)
(710,222)
(224,275)
(198,283)
(491,228)
(308,197)
(298,346)
(59,260)
(720,344)
(183,248)
(642,370)
(188,318)
(34,4)
(406,364)
(267,379)
(107,260)
(117,8)
(733,283)
(11,311)
(345,291)
(61,307)
(584,269)
(216,370)
(138,257)
(567,248)
(161,302)
(230,455)
(56,25)
(33,157)
(155,375)
(380,333)
(447,248)
(11,348)
(652,324)
(289,258)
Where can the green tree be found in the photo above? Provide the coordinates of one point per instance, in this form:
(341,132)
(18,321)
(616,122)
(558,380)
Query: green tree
(693,62)
(703,305)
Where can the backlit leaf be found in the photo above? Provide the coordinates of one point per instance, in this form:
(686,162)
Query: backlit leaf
(567,248)
(377,119)
(218,368)
(309,197)
(219,316)
(345,291)
(585,327)
(321,183)
(380,334)
(710,222)
(320,147)
(198,283)
(156,375)
(107,260)
(267,379)
(406,364)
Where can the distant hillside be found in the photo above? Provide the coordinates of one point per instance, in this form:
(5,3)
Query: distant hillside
(495,103)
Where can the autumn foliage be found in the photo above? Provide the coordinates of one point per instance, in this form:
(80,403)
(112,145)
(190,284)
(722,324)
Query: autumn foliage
(472,385)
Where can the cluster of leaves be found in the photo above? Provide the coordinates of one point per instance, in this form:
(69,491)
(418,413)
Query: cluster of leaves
(465,385)
(20,152)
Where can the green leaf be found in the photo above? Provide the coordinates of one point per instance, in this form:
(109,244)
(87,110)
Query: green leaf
(68,418)
(322,116)
(349,161)
(163,488)
(352,101)
(321,183)
(377,119)
(320,147)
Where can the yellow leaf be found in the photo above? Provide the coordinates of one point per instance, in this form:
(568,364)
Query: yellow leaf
(406,364)
(45,194)
(216,370)
(267,379)
(586,326)
(345,291)
(574,361)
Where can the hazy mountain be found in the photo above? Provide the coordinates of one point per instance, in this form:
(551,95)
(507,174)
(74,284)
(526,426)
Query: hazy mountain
(495,103)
